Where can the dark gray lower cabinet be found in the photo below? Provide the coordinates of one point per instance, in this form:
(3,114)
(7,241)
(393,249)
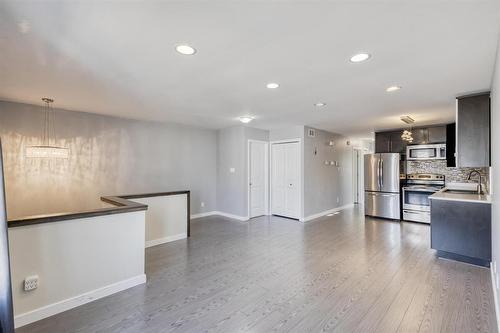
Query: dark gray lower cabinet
(462,231)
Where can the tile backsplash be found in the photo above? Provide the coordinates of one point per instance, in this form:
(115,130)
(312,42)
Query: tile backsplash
(451,174)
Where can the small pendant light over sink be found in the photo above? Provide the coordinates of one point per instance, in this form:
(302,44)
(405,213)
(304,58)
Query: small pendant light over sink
(48,147)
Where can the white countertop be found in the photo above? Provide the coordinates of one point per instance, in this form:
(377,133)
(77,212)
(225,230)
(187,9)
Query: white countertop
(463,197)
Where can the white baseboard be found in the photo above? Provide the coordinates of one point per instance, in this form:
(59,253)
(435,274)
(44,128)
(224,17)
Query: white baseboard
(197,216)
(232,216)
(70,303)
(216,212)
(326,212)
(163,240)
(495,295)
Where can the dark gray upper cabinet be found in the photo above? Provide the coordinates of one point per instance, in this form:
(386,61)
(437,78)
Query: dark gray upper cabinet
(397,145)
(420,136)
(383,142)
(473,131)
(436,134)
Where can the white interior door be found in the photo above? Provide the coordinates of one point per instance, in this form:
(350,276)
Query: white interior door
(285,187)
(278,186)
(258,178)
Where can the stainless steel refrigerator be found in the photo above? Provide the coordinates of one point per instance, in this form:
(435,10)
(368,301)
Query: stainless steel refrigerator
(382,190)
(6,315)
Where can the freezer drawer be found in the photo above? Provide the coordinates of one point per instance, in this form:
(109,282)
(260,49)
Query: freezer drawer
(384,205)
(416,216)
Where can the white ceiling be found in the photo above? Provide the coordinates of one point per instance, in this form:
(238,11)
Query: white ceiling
(118,59)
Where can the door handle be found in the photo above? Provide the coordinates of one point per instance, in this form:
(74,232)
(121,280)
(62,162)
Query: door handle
(381,173)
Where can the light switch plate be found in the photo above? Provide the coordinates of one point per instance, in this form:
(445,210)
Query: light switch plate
(232,170)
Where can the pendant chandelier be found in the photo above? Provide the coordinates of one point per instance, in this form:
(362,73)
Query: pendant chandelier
(48,147)
(407,134)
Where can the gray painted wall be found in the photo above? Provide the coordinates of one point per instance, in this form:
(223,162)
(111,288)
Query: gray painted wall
(108,156)
(231,186)
(232,152)
(323,184)
(286,133)
(495,166)
(112,155)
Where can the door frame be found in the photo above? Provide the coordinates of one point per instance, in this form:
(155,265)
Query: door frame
(357,170)
(301,175)
(266,176)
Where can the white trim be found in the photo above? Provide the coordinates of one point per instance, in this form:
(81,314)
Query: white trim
(333,210)
(495,295)
(232,216)
(163,240)
(286,141)
(70,303)
(301,175)
(216,212)
(266,176)
(199,215)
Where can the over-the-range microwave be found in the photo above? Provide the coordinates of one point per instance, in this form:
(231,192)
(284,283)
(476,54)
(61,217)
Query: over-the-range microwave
(426,152)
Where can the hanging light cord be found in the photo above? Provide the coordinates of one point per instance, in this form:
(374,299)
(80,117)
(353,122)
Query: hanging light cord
(48,114)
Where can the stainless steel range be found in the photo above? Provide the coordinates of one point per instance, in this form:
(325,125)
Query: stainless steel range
(416,203)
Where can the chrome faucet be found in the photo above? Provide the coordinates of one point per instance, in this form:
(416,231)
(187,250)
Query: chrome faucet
(479,186)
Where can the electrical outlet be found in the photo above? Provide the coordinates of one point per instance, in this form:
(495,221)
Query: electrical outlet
(202,204)
(232,170)
(30,283)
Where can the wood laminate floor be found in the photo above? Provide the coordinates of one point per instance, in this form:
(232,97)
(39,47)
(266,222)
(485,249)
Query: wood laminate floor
(342,273)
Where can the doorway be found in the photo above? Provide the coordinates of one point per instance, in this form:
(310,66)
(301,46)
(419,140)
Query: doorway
(258,175)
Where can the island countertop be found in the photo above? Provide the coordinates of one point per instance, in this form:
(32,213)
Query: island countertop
(463,197)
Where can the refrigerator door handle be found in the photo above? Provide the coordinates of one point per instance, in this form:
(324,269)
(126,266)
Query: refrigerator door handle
(381,173)
(377,194)
(378,175)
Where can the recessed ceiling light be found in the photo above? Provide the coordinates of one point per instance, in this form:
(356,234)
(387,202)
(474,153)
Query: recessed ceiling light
(272,85)
(185,49)
(320,104)
(246,119)
(393,88)
(360,57)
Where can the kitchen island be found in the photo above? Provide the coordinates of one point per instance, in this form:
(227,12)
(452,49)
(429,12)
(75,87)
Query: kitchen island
(461,226)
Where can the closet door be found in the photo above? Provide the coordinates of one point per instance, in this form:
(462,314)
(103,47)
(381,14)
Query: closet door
(286,179)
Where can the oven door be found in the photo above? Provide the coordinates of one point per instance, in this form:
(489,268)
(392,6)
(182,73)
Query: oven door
(417,198)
